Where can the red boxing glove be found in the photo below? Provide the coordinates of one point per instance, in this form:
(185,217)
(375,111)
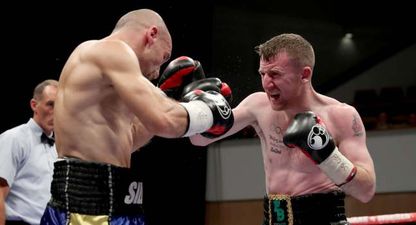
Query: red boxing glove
(179,73)
(210,84)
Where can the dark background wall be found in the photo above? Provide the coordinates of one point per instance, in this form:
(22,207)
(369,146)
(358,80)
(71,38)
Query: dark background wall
(379,31)
(39,36)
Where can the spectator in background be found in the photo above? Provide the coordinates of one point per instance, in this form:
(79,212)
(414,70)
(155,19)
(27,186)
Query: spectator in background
(383,121)
(27,155)
(412,119)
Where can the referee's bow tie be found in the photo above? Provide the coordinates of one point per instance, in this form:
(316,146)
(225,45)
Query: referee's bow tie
(45,139)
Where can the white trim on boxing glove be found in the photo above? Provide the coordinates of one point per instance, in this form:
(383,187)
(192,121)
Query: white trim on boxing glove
(200,117)
(338,168)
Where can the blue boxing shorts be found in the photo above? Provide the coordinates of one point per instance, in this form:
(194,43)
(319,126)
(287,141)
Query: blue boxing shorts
(93,194)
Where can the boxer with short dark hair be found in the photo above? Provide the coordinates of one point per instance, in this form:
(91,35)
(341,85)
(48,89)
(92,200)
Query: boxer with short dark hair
(107,108)
(314,147)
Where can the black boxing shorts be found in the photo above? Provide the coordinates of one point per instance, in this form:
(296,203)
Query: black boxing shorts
(319,208)
(93,193)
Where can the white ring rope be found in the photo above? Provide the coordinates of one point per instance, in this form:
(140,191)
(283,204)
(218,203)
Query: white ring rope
(398,218)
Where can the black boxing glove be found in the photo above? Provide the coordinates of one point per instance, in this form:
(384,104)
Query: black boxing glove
(210,84)
(308,133)
(220,116)
(179,73)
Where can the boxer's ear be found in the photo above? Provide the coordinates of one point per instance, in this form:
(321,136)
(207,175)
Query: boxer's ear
(151,34)
(306,74)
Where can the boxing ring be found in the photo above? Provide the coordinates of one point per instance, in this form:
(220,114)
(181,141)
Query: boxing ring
(397,218)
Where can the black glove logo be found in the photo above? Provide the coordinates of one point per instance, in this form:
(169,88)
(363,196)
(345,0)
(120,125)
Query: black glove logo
(318,137)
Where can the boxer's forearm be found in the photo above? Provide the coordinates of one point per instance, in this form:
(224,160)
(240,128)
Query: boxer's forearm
(362,187)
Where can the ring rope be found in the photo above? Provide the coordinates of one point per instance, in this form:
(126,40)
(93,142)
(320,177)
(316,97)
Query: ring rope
(397,218)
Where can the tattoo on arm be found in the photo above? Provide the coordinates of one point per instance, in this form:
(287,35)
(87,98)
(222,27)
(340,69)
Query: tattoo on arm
(357,127)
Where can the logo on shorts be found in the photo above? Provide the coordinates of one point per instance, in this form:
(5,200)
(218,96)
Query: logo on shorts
(318,137)
(135,195)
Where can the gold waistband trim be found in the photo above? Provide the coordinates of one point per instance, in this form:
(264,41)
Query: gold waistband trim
(288,201)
